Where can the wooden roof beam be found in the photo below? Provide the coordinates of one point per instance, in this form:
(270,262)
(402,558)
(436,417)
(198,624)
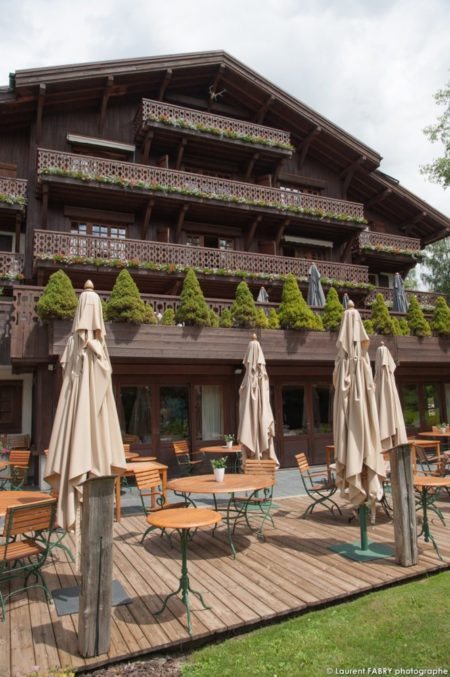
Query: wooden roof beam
(213,94)
(181,147)
(105,98)
(280,232)
(180,221)
(250,166)
(261,113)
(376,199)
(40,110)
(349,172)
(303,146)
(251,232)
(408,225)
(165,84)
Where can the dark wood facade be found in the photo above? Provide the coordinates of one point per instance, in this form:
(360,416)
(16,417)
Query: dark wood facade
(194,160)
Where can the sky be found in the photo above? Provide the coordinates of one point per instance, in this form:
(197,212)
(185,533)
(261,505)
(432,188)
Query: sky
(369,66)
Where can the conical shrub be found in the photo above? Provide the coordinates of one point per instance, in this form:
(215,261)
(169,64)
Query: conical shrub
(226,321)
(368,325)
(243,309)
(333,311)
(261,319)
(193,310)
(294,312)
(440,322)
(125,303)
(273,319)
(381,318)
(168,318)
(213,318)
(58,300)
(418,324)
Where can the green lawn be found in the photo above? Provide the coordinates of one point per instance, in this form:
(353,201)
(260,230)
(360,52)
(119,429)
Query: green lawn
(403,627)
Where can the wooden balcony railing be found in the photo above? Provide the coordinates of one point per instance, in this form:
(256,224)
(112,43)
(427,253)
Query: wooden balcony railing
(11,266)
(78,249)
(167,181)
(218,125)
(425,298)
(386,242)
(13,191)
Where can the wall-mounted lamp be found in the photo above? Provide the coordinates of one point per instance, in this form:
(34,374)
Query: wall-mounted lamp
(238,370)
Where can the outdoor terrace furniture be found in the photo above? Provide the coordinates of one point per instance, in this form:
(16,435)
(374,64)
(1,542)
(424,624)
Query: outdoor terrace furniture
(131,468)
(16,441)
(153,499)
(186,461)
(16,470)
(234,453)
(24,553)
(259,500)
(428,488)
(425,445)
(317,485)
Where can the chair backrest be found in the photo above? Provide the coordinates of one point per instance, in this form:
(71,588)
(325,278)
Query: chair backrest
(33,517)
(181,448)
(126,448)
(264,466)
(21,441)
(147,479)
(302,463)
(21,458)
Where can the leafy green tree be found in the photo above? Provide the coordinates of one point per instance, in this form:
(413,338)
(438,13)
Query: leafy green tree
(418,325)
(213,318)
(243,309)
(273,319)
(438,171)
(193,309)
(294,312)
(58,299)
(440,322)
(332,311)
(149,315)
(125,303)
(368,324)
(404,327)
(261,319)
(411,280)
(381,318)
(436,272)
(226,320)
(168,318)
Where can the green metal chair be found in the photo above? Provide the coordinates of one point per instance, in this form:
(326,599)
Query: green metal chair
(148,483)
(23,553)
(17,472)
(187,462)
(259,503)
(317,486)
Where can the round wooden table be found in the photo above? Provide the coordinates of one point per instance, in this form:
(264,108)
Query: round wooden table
(222,450)
(232,484)
(427,484)
(183,520)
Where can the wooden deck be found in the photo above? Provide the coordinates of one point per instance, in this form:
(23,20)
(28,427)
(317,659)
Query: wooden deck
(293,571)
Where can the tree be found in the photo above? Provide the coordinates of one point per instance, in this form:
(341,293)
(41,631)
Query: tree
(58,299)
(168,318)
(418,325)
(438,171)
(243,309)
(193,309)
(436,262)
(368,325)
(381,319)
(261,319)
(226,320)
(273,319)
(440,322)
(213,318)
(333,311)
(125,303)
(294,312)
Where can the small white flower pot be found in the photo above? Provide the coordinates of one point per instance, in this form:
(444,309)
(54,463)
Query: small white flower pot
(219,474)
(229,444)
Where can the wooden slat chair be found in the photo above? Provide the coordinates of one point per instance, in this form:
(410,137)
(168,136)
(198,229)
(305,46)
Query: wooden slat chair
(148,482)
(187,462)
(16,475)
(261,500)
(23,553)
(435,467)
(19,441)
(317,485)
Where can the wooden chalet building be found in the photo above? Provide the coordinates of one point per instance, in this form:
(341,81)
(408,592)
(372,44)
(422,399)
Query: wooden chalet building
(195,160)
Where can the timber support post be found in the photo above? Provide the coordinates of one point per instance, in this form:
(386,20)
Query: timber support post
(94,620)
(404,508)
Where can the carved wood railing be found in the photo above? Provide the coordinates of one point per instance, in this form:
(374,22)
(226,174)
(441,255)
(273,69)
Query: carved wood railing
(144,177)
(188,118)
(425,298)
(47,244)
(385,241)
(13,191)
(11,266)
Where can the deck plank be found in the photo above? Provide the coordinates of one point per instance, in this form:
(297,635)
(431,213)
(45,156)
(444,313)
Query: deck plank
(293,570)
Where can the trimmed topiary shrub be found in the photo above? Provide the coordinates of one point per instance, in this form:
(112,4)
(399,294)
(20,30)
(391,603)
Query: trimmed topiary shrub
(401,327)
(440,323)
(381,318)
(125,303)
(261,319)
(273,319)
(243,309)
(294,312)
(213,318)
(226,320)
(368,324)
(168,318)
(333,311)
(58,300)
(193,310)
(318,322)
(418,325)
(149,315)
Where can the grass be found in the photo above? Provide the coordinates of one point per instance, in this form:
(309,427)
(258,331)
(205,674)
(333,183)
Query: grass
(399,628)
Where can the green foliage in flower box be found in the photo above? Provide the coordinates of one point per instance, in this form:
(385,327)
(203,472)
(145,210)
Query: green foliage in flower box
(418,325)
(125,303)
(193,310)
(243,309)
(440,323)
(332,311)
(58,300)
(381,318)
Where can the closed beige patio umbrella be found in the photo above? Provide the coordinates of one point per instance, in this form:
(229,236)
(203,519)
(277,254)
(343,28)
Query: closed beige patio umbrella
(86,440)
(256,423)
(390,414)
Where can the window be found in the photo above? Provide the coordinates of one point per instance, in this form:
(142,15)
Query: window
(6,242)
(209,412)
(212,241)
(432,404)
(322,399)
(10,407)
(309,190)
(98,229)
(294,414)
(135,412)
(174,407)
(410,400)
(109,249)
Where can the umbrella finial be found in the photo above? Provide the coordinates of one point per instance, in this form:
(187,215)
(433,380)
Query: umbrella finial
(350,304)
(89,284)
(254,337)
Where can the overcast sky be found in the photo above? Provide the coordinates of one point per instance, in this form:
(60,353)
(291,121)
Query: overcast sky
(370,66)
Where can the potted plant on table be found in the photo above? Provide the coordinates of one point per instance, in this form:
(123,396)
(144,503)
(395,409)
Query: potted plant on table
(229,440)
(219,465)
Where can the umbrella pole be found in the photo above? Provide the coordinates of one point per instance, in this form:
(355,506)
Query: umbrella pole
(363,511)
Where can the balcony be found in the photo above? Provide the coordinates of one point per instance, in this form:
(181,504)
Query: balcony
(426,299)
(393,252)
(11,267)
(13,193)
(146,256)
(188,187)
